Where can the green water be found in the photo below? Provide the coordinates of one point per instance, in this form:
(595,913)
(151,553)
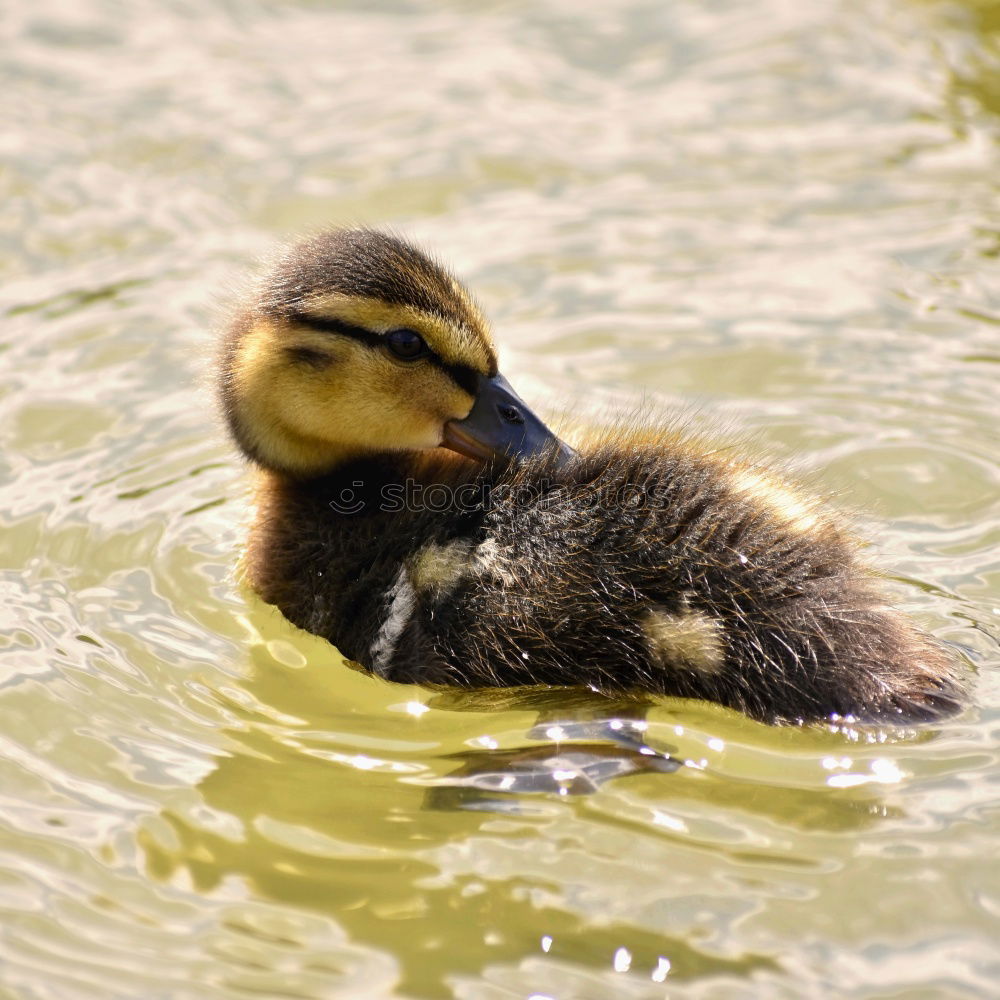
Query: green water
(780,217)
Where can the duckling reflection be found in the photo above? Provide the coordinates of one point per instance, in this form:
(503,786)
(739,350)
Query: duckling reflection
(561,767)
(589,739)
(580,771)
(320,802)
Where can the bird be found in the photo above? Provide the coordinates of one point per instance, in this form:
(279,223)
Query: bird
(413,510)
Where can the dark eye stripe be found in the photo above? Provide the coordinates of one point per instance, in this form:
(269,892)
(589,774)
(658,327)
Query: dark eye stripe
(464,376)
(325,324)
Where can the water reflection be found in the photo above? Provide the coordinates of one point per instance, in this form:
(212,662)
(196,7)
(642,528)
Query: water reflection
(970,49)
(570,762)
(265,816)
(448,855)
(576,770)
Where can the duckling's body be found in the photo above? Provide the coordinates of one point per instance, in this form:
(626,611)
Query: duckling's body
(640,563)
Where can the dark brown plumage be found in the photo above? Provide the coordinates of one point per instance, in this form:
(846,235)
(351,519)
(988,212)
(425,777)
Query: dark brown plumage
(368,264)
(641,563)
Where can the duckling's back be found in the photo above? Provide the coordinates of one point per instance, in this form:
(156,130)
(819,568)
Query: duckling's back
(652,567)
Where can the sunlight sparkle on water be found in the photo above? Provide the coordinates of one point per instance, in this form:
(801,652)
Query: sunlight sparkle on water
(659,974)
(670,822)
(414,708)
(883,772)
(832,763)
(623,960)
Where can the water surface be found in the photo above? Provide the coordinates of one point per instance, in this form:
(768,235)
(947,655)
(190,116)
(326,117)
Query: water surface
(780,218)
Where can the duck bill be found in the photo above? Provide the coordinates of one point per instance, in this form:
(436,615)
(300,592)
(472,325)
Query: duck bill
(501,427)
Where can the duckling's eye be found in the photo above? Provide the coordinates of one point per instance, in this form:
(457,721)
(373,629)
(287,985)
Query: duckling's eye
(405,344)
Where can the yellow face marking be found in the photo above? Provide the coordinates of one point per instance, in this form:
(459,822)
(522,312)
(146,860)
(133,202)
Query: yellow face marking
(306,419)
(689,640)
(453,342)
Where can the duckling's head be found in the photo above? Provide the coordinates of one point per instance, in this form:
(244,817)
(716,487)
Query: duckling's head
(357,344)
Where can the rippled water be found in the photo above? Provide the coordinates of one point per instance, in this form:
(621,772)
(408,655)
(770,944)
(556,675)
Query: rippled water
(780,216)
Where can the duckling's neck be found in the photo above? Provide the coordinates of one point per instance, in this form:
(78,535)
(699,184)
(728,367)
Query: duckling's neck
(288,454)
(355,525)
(393,482)
(353,485)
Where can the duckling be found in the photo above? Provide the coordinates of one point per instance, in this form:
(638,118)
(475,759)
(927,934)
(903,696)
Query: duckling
(414,511)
